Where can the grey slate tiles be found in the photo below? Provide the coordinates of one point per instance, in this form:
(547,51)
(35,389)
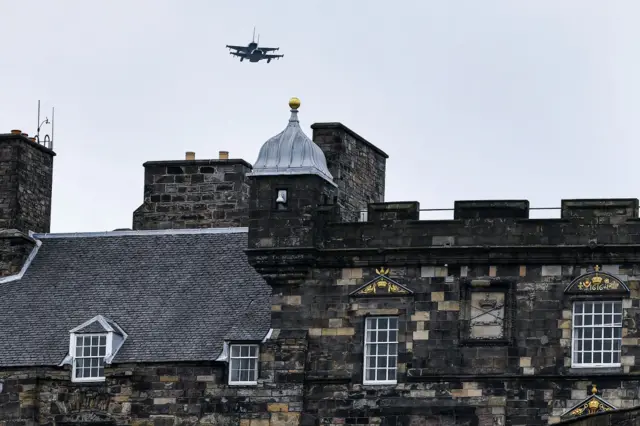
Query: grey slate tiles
(176,295)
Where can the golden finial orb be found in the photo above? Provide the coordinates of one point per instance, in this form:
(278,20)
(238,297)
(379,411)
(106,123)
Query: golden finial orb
(294,103)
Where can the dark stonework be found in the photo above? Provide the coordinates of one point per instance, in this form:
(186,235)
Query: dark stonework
(483,305)
(25,189)
(158,394)
(15,248)
(515,369)
(357,167)
(194,194)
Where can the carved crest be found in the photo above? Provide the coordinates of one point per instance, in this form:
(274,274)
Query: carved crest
(596,281)
(591,405)
(382,285)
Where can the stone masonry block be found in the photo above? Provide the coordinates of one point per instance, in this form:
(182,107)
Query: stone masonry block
(285,419)
(277,407)
(437,296)
(449,305)
(551,270)
(523,271)
(525,361)
(421,316)
(611,269)
(345,331)
(629,360)
(421,335)
(335,322)
(315,332)
(351,273)
(292,300)
(433,271)
(493,271)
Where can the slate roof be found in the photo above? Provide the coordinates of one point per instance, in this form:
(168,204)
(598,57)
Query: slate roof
(176,295)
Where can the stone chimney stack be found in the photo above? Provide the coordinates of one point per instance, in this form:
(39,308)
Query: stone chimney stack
(26,170)
(194,193)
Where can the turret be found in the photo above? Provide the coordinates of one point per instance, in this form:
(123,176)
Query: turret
(289,181)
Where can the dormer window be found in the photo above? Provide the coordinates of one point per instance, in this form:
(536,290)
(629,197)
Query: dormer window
(92,346)
(90,351)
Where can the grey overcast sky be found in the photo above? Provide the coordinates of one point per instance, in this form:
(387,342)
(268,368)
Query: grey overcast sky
(526,99)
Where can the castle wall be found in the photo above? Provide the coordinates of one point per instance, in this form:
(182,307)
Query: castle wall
(159,394)
(451,371)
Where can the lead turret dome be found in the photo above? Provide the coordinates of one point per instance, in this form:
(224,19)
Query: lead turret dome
(291,152)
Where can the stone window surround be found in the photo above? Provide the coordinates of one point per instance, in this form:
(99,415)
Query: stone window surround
(366,382)
(72,351)
(487,285)
(255,368)
(602,326)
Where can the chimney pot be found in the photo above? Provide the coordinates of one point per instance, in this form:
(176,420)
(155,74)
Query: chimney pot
(16,132)
(26,135)
(190,155)
(32,139)
(223,155)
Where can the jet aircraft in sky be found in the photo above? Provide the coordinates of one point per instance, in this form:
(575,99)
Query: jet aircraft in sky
(254,53)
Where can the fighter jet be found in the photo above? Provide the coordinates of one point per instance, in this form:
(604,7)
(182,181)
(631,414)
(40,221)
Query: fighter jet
(254,53)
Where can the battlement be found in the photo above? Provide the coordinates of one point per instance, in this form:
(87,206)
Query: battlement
(589,222)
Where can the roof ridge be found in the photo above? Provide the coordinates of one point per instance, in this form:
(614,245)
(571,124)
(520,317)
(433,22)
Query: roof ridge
(198,231)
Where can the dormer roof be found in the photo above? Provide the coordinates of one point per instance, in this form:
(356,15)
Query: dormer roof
(291,152)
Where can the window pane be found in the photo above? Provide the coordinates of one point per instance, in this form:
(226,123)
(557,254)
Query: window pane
(380,361)
(244,351)
(235,351)
(235,375)
(597,333)
(103,340)
(370,375)
(253,351)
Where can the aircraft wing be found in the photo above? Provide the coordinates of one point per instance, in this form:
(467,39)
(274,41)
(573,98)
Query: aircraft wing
(241,54)
(273,56)
(268,49)
(238,48)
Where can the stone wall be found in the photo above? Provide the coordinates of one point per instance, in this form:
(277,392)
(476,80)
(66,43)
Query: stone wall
(450,371)
(357,167)
(627,417)
(194,194)
(25,189)
(15,248)
(161,394)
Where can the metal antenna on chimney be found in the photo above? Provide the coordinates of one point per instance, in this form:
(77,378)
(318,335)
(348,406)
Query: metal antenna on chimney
(47,141)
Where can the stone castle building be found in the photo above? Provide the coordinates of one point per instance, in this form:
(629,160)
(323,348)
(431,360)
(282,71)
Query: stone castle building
(288,292)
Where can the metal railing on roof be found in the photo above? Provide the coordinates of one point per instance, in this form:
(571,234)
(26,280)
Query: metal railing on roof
(433,214)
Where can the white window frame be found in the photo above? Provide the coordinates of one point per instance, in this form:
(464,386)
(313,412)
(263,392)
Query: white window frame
(368,343)
(256,360)
(72,352)
(613,325)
